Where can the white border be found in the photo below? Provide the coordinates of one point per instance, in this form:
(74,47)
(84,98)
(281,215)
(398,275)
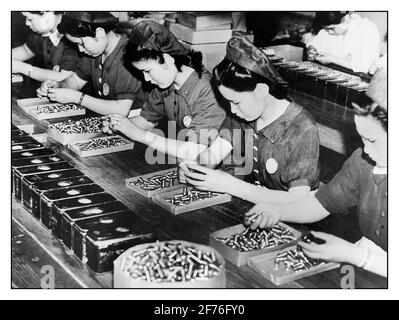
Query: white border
(209,5)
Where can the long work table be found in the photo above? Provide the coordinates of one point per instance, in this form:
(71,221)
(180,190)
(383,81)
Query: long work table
(34,247)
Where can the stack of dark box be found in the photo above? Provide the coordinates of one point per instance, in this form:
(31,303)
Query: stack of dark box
(322,82)
(72,206)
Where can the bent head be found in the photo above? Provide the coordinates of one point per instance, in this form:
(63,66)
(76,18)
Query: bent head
(246,91)
(334,22)
(41,22)
(93,46)
(371,122)
(88,30)
(157,68)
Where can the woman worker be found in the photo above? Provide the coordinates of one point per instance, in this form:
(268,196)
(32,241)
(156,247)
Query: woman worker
(60,57)
(280,138)
(182,93)
(362,182)
(346,39)
(115,88)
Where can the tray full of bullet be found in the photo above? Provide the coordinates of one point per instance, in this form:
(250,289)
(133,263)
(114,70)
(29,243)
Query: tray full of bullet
(56,110)
(101,145)
(288,265)
(238,243)
(154,183)
(189,199)
(71,131)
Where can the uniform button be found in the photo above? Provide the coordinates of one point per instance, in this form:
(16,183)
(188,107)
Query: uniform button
(186,92)
(255,148)
(100,66)
(99,92)
(256,171)
(256,136)
(382,213)
(377,232)
(100,80)
(386,194)
(255,159)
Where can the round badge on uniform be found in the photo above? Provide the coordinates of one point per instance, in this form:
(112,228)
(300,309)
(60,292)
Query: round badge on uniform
(187,121)
(271,165)
(106,89)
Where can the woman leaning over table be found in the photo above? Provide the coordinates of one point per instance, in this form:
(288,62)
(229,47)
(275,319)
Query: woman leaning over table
(280,138)
(362,182)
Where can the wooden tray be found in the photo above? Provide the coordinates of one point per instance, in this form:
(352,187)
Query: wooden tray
(65,139)
(150,194)
(26,104)
(241,258)
(44,116)
(98,152)
(159,199)
(264,264)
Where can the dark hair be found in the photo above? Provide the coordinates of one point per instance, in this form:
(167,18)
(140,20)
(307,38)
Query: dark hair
(133,53)
(326,18)
(42,12)
(77,28)
(235,77)
(365,106)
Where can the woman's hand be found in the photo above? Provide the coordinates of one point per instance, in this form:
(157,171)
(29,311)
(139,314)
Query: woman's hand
(43,90)
(263,215)
(325,57)
(207,179)
(115,122)
(334,249)
(183,168)
(63,95)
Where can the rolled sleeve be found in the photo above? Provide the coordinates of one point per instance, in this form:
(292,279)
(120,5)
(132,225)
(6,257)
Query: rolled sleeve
(127,87)
(84,69)
(303,164)
(153,109)
(70,60)
(35,44)
(207,117)
(342,191)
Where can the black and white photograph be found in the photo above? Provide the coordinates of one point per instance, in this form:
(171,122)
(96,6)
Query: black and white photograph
(204,149)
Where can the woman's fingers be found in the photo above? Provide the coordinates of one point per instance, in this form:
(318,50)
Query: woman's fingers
(195,176)
(311,247)
(255,224)
(321,235)
(311,254)
(197,167)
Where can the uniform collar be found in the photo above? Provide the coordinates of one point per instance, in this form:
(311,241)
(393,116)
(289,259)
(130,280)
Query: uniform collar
(116,53)
(55,37)
(276,129)
(189,84)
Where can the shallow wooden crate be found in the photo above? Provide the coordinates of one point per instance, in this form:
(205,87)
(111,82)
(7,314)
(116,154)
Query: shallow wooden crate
(26,104)
(44,116)
(265,265)
(159,199)
(66,139)
(90,153)
(149,194)
(239,258)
